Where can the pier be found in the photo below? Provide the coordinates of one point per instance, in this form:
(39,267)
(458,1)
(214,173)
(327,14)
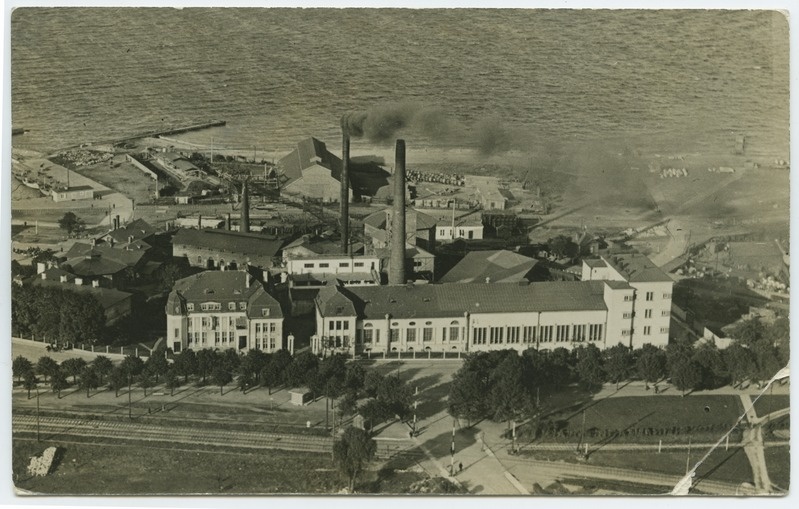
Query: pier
(154,134)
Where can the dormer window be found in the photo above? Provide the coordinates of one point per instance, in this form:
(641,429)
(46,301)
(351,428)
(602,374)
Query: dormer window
(242,306)
(231,306)
(190,307)
(265,312)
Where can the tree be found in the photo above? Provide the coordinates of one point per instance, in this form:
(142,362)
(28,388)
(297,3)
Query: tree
(157,365)
(89,379)
(71,223)
(73,367)
(253,363)
(30,382)
(510,394)
(172,271)
(559,366)
(274,371)
(354,378)
(685,374)
(185,364)
(348,404)
(468,396)
(58,382)
(353,452)
(231,360)
(221,377)
(371,383)
(713,372)
(145,380)
(590,369)
(302,370)
(396,395)
(740,362)
(618,363)
(749,331)
(651,364)
(563,247)
(20,367)
(132,365)
(46,367)
(243,381)
(102,366)
(207,360)
(172,381)
(374,412)
(117,379)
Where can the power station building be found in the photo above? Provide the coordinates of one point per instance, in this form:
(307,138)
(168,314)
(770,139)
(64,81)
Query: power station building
(311,171)
(225,310)
(623,300)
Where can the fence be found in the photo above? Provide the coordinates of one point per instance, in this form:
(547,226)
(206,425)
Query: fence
(135,351)
(414,355)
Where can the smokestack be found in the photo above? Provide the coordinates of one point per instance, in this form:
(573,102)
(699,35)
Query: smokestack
(245,208)
(227,222)
(345,187)
(200,222)
(396,264)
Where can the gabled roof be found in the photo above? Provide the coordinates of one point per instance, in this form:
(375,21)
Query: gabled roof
(445,300)
(635,267)
(309,152)
(226,241)
(331,302)
(595,263)
(423,221)
(88,260)
(223,287)
(138,229)
(499,266)
(319,246)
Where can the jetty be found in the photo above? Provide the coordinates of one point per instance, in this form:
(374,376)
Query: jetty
(154,134)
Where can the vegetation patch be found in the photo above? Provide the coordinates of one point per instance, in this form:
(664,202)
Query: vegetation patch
(778,462)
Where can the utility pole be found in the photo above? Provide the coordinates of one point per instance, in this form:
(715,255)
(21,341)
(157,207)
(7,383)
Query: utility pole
(452,451)
(582,431)
(38,426)
(130,411)
(688,459)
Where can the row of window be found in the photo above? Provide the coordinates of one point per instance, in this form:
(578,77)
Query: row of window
(647,331)
(537,334)
(650,296)
(647,314)
(325,265)
(216,306)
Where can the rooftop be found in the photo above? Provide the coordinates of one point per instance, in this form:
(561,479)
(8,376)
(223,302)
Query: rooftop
(445,300)
(138,229)
(462,218)
(88,260)
(309,152)
(228,241)
(107,297)
(500,266)
(378,219)
(223,287)
(636,267)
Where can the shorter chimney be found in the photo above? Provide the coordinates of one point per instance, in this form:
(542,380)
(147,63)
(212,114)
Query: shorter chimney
(95,283)
(227,222)
(79,281)
(199,222)
(63,278)
(44,275)
(40,267)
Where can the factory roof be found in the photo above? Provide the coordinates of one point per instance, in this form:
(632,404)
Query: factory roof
(228,241)
(378,219)
(445,300)
(223,287)
(443,217)
(107,297)
(595,263)
(319,246)
(497,266)
(76,188)
(309,152)
(635,267)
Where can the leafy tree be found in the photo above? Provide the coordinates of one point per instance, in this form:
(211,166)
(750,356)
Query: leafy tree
(767,359)
(618,363)
(685,374)
(749,331)
(651,364)
(372,382)
(30,382)
(713,372)
(243,381)
(102,366)
(231,360)
(221,377)
(73,367)
(740,363)
(117,379)
(302,370)
(46,367)
(71,223)
(20,367)
(145,380)
(132,366)
(58,382)
(467,396)
(559,365)
(396,395)
(171,272)
(172,381)
(89,379)
(253,363)
(348,404)
(510,395)
(185,364)
(353,452)
(374,412)
(157,365)
(563,247)
(354,378)
(207,360)
(589,368)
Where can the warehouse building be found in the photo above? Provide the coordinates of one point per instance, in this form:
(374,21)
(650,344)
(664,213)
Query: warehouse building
(223,249)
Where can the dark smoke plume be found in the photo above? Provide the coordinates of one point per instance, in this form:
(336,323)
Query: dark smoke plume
(381,124)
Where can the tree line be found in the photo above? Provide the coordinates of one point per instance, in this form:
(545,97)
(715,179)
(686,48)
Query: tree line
(55,314)
(505,386)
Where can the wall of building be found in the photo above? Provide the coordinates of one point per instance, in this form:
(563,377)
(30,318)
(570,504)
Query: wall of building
(317,183)
(448,233)
(223,330)
(333,265)
(82,194)
(213,259)
(652,313)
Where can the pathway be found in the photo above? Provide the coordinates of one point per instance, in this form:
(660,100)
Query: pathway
(753,446)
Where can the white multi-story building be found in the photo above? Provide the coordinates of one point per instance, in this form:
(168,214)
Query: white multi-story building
(224,309)
(644,314)
(479,317)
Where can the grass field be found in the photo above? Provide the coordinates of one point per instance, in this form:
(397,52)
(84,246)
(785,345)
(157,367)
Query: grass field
(768,403)
(654,412)
(123,177)
(721,465)
(91,469)
(778,461)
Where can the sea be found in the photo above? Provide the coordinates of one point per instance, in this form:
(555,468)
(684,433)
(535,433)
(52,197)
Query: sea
(693,80)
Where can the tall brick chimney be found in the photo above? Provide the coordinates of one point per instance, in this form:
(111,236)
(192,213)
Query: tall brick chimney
(345,188)
(396,262)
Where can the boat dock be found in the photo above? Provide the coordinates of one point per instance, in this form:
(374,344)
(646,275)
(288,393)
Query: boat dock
(155,134)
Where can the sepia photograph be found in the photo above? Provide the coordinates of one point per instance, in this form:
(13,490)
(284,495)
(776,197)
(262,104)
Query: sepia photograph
(398,251)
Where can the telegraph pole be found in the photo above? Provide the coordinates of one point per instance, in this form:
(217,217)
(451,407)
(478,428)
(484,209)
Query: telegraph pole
(452,451)
(38,426)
